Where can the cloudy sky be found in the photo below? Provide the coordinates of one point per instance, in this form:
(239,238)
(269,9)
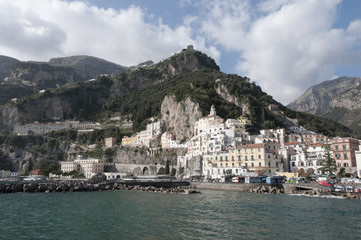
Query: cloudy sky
(285,46)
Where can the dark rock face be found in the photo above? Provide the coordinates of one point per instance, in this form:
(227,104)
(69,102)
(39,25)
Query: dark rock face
(87,67)
(6,65)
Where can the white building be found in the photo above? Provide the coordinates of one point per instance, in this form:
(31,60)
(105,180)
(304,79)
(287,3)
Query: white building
(110,142)
(358,162)
(209,124)
(310,159)
(88,167)
(43,128)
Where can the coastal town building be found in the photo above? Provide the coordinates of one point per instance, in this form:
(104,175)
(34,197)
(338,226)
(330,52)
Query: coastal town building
(143,138)
(310,159)
(261,158)
(168,140)
(209,124)
(311,137)
(129,141)
(344,152)
(43,128)
(110,142)
(358,162)
(88,167)
(244,120)
(5,174)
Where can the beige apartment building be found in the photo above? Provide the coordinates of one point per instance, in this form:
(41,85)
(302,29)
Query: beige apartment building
(261,158)
(88,167)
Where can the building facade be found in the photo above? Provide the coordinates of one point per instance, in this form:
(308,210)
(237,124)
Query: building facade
(344,151)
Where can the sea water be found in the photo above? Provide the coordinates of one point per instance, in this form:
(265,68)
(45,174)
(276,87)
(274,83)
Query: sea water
(149,215)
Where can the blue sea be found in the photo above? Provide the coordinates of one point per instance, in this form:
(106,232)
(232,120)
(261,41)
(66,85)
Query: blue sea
(149,215)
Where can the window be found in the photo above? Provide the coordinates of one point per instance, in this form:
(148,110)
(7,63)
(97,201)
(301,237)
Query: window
(252,165)
(336,147)
(239,158)
(338,164)
(269,164)
(226,158)
(344,147)
(252,157)
(232,158)
(345,156)
(345,164)
(259,164)
(221,164)
(232,164)
(245,164)
(221,158)
(259,156)
(226,164)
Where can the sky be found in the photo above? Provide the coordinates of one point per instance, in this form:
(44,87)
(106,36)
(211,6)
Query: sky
(285,46)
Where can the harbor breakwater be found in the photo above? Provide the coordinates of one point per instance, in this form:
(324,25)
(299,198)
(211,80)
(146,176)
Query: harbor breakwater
(86,186)
(285,188)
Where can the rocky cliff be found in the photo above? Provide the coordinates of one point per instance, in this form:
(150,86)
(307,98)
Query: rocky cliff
(180,117)
(43,75)
(338,100)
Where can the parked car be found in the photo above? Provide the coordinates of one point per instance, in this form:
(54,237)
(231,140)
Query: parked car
(340,188)
(331,189)
(349,189)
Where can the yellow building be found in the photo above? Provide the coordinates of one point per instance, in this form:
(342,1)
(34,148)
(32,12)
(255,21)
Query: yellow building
(244,120)
(261,158)
(129,140)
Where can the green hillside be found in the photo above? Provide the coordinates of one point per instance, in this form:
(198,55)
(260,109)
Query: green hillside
(139,93)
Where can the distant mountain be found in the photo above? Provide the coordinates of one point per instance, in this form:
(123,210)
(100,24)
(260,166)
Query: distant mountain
(23,78)
(87,67)
(338,100)
(6,64)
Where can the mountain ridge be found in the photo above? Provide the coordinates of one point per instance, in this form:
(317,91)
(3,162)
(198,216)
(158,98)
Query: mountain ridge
(139,93)
(337,99)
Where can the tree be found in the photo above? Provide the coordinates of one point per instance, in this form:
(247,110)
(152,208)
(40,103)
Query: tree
(167,167)
(329,163)
(47,167)
(341,173)
(302,173)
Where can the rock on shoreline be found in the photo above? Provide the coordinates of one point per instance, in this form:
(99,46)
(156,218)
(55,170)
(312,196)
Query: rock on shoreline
(85,186)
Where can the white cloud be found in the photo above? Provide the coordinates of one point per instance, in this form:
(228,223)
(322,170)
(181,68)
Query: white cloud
(284,46)
(39,30)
